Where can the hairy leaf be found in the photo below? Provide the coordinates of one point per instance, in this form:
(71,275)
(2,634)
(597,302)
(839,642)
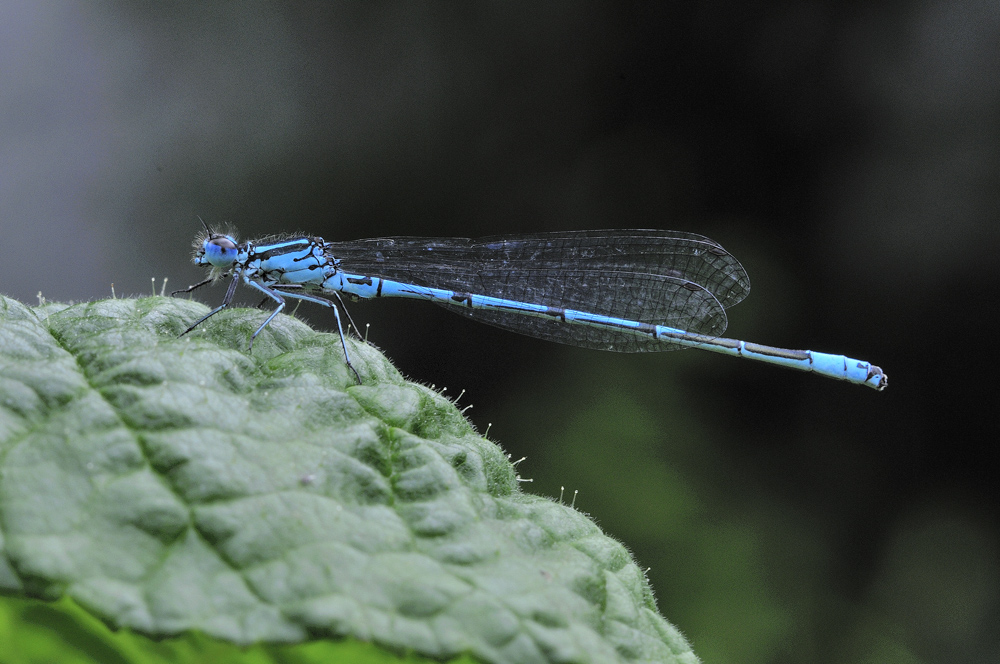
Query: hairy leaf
(174,484)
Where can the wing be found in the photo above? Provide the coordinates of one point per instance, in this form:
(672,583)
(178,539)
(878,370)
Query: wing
(669,278)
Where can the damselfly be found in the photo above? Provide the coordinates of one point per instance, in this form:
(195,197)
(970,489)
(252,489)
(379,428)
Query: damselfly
(618,290)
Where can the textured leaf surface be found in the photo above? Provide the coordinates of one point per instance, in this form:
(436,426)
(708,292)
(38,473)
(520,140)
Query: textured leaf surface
(173,484)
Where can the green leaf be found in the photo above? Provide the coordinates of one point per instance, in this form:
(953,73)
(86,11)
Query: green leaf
(176,485)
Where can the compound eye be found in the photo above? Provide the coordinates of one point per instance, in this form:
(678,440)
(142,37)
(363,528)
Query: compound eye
(221,250)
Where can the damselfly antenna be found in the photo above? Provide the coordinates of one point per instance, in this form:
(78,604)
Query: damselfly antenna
(207,229)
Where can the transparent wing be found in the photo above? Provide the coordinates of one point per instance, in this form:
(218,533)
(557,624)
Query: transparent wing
(669,278)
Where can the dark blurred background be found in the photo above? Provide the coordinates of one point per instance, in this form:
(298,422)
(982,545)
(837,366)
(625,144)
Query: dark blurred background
(845,152)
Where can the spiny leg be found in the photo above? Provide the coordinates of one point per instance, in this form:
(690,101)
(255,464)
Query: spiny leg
(197,285)
(225,303)
(350,321)
(287,288)
(315,299)
(274,296)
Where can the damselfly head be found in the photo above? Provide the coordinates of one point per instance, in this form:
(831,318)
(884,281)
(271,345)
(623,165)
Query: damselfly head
(218,251)
(215,250)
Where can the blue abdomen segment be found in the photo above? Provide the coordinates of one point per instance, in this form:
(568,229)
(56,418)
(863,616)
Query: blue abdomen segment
(839,367)
(833,366)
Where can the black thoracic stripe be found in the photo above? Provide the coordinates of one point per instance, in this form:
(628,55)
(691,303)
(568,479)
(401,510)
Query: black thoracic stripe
(361,281)
(279,251)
